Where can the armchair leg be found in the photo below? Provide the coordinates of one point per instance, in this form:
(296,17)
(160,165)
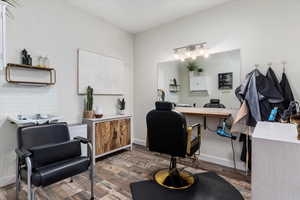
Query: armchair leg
(33,195)
(92,181)
(17,179)
(29,190)
(29,173)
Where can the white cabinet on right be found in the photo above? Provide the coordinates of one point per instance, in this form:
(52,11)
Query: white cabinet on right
(275,162)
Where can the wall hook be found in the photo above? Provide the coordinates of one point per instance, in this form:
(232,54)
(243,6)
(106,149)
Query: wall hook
(284,65)
(270,64)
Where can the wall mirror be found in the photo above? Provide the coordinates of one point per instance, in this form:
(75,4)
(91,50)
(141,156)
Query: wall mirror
(195,82)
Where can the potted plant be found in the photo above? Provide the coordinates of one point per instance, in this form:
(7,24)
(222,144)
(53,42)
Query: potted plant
(192,66)
(89,113)
(121,106)
(199,70)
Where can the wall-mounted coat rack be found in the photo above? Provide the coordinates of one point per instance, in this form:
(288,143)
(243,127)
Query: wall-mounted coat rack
(11,66)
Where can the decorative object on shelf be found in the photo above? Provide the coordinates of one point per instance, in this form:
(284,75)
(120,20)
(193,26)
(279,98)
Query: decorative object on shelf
(44,62)
(161,95)
(26,58)
(11,66)
(98,112)
(191,51)
(173,86)
(89,113)
(225,81)
(121,106)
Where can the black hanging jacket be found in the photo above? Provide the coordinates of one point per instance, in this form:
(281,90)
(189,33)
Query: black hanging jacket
(287,91)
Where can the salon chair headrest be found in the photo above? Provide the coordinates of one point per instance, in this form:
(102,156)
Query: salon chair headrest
(215,101)
(162,105)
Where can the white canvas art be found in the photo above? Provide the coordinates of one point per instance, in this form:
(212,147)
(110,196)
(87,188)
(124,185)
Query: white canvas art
(103,73)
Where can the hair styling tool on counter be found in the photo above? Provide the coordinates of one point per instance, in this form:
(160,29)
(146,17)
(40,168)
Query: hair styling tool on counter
(221,131)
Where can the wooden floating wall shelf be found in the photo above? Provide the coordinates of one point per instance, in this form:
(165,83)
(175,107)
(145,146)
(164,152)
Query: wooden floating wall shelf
(10,66)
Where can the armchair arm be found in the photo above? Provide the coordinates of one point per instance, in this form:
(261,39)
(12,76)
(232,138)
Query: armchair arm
(190,133)
(82,139)
(23,153)
(90,146)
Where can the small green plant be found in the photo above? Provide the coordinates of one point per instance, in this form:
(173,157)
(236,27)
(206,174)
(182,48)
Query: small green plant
(192,66)
(121,104)
(89,98)
(200,70)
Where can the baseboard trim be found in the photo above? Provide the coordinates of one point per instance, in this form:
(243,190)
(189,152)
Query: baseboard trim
(221,161)
(207,158)
(139,142)
(7,180)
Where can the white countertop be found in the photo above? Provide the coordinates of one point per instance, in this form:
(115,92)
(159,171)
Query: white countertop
(108,117)
(276,131)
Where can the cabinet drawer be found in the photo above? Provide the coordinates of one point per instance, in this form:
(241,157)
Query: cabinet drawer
(111,135)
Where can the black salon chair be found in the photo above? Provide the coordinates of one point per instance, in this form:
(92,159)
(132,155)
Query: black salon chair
(168,134)
(46,155)
(214,103)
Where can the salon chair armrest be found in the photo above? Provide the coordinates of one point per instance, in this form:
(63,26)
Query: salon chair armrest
(198,125)
(23,153)
(190,134)
(82,139)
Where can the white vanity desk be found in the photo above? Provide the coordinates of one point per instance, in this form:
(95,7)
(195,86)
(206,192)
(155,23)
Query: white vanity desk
(275,162)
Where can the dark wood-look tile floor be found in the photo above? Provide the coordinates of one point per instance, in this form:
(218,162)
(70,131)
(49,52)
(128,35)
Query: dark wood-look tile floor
(116,172)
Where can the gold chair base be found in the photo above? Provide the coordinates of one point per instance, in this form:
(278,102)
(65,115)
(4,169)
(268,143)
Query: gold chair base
(161,175)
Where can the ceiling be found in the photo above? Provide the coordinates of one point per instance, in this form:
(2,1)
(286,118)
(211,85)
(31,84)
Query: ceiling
(139,15)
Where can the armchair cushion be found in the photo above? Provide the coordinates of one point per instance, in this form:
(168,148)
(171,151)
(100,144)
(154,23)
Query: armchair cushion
(58,171)
(51,153)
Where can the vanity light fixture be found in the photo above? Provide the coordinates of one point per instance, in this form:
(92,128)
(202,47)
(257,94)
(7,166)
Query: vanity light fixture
(191,51)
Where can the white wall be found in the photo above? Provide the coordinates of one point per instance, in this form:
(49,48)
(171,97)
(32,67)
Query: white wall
(58,30)
(264,30)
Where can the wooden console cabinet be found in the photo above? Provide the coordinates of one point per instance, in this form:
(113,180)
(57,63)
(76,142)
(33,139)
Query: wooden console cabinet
(109,134)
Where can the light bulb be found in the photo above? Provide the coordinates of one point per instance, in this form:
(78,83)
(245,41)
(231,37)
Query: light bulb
(188,54)
(201,52)
(176,56)
(206,55)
